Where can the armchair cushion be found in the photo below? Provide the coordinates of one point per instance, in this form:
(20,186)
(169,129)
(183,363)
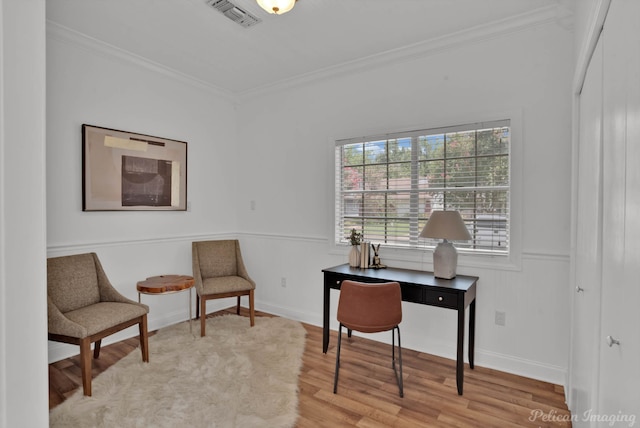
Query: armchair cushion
(72,282)
(59,324)
(104,315)
(218,259)
(225,284)
(82,301)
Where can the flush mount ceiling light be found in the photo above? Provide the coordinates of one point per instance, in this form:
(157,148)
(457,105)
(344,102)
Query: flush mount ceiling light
(277,7)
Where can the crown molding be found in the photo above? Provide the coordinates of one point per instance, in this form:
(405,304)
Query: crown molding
(554,14)
(592,35)
(67,35)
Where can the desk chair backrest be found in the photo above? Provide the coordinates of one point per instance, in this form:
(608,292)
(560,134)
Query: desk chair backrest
(370,308)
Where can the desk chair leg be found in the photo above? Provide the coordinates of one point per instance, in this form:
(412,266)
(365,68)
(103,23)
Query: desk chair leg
(335,378)
(393,358)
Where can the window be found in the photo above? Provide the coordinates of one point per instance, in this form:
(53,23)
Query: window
(387,186)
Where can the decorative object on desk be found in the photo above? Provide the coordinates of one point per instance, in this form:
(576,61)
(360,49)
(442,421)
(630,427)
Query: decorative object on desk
(445,225)
(354,254)
(364,255)
(376,258)
(236,376)
(355,237)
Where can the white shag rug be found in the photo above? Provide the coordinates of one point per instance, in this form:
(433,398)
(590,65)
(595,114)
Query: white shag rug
(236,376)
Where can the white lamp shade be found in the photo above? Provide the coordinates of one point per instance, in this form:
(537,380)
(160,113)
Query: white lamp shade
(277,6)
(445,225)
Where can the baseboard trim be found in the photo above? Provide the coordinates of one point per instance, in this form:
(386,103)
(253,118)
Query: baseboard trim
(492,360)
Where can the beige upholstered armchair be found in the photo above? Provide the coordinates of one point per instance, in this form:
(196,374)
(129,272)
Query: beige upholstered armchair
(83,307)
(219,272)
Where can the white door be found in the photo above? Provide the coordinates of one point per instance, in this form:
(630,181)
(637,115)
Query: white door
(588,257)
(619,379)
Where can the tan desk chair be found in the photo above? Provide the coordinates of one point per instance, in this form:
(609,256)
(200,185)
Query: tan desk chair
(218,271)
(371,308)
(83,307)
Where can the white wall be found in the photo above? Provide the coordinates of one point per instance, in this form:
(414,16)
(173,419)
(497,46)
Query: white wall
(285,147)
(88,82)
(280,158)
(23,309)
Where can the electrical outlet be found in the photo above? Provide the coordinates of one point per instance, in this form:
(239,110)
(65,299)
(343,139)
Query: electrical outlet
(283,282)
(501,318)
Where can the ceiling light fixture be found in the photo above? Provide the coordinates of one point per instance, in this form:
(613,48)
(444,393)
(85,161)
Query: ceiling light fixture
(277,7)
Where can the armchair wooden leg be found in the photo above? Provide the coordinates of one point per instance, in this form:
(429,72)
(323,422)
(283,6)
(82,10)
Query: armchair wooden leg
(238,307)
(96,349)
(85,365)
(144,339)
(197,306)
(203,316)
(252,312)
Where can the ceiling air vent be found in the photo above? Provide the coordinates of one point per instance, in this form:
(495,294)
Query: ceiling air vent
(234,13)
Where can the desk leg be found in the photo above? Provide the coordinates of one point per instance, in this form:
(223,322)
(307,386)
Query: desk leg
(472,331)
(325,319)
(460,353)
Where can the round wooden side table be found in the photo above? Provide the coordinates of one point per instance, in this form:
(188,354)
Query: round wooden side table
(167,284)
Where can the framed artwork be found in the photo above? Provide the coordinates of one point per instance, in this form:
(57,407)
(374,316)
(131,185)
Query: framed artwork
(123,171)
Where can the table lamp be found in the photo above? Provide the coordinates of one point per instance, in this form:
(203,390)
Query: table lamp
(445,225)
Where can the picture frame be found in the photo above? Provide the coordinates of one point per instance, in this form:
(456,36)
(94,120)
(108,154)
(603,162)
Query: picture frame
(125,171)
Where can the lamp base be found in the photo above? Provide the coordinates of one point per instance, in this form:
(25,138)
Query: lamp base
(445,260)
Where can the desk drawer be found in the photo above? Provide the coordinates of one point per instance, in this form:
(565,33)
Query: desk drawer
(442,299)
(413,294)
(332,281)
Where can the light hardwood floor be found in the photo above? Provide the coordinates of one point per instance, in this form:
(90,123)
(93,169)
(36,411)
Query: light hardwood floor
(368,394)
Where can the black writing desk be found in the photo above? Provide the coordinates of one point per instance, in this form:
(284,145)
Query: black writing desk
(417,287)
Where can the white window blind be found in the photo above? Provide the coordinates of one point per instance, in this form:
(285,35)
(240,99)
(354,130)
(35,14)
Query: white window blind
(387,186)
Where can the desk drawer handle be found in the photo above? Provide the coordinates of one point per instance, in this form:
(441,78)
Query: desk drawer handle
(440,298)
(337,282)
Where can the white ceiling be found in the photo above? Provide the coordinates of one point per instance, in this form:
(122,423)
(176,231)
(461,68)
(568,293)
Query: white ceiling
(190,37)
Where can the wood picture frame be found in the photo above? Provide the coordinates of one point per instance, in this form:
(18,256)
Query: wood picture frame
(125,171)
